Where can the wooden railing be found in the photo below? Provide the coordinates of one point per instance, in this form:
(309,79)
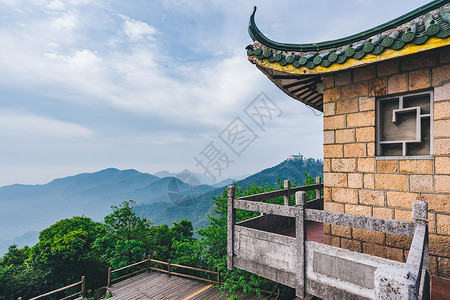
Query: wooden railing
(81,293)
(169,272)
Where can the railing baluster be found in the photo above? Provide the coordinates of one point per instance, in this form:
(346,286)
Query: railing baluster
(231,221)
(318,190)
(168,267)
(300,234)
(83,287)
(287,187)
(109,277)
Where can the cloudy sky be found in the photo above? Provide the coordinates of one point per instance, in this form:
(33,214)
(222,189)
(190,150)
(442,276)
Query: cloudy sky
(153,85)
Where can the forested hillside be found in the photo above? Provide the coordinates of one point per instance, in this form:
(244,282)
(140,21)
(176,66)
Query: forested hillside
(161,200)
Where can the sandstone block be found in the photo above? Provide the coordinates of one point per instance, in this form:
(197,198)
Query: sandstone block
(342,231)
(351,245)
(401,199)
(442,110)
(354,90)
(355,180)
(442,93)
(383,212)
(345,136)
(388,67)
(369,181)
(417,166)
(378,87)
(366,165)
(371,197)
(334,206)
(368,236)
(398,241)
(332,240)
(334,122)
(443,224)
(344,195)
(419,61)
(364,73)
(355,150)
(442,129)
(437,202)
(330,95)
(361,119)
(444,267)
(391,182)
(442,165)
(347,106)
(441,146)
(383,251)
(343,164)
(335,179)
(440,74)
(327,165)
(328,137)
(328,81)
(329,109)
(397,83)
(361,210)
(366,103)
(419,79)
(421,183)
(439,245)
(342,78)
(365,134)
(330,151)
(387,166)
(403,215)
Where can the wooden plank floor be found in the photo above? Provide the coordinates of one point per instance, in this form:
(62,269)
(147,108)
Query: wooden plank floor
(157,286)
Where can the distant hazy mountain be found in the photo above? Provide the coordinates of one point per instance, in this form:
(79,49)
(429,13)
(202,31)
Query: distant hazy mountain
(193,178)
(202,205)
(27,209)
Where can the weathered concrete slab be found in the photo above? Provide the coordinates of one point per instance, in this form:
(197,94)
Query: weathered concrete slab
(341,270)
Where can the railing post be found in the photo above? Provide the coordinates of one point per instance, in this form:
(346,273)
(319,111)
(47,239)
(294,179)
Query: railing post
(394,283)
(148,263)
(231,220)
(108,284)
(287,186)
(420,216)
(83,287)
(168,267)
(218,277)
(300,234)
(319,190)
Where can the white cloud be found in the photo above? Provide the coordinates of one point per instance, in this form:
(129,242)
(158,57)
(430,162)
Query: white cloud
(137,30)
(22,125)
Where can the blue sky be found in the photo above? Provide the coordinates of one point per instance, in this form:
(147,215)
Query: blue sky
(91,84)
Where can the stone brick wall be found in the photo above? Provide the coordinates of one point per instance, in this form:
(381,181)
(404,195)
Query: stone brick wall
(357,182)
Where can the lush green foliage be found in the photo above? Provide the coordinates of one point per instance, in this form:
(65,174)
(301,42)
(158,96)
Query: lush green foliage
(79,246)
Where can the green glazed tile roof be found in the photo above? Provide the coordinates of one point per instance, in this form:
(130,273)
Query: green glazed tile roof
(415,27)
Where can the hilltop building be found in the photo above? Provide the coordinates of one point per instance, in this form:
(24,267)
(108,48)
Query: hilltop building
(385,98)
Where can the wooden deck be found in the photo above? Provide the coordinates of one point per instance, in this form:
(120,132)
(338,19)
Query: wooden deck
(157,286)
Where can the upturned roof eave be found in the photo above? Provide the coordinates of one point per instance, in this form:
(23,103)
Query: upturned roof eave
(257,35)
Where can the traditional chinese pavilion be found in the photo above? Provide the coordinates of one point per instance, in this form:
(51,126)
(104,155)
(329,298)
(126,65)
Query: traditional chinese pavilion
(385,98)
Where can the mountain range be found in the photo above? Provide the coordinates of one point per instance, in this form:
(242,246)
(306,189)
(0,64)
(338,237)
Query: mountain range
(163,198)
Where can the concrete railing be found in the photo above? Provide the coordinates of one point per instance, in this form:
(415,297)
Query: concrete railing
(257,245)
